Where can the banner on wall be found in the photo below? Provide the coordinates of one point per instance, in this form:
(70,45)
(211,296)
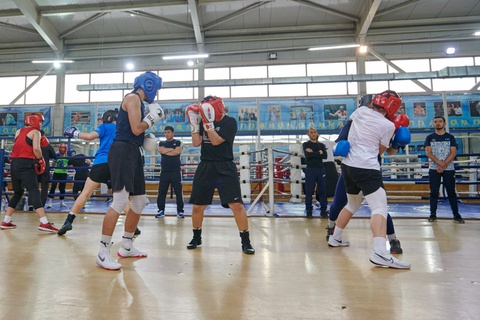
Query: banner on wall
(12,118)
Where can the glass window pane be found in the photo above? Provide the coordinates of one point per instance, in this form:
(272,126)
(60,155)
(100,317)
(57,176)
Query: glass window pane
(377,86)
(16,85)
(351,68)
(106,78)
(223,92)
(106,96)
(43,91)
(217,73)
(477,61)
(375,67)
(326,89)
(248,72)
(422,65)
(294,70)
(326,69)
(453,84)
(249,91)
(71,93)
(352,88)
(175,94)
(408,86)
(129,77)
(287,90)
(176,75)
(439,64)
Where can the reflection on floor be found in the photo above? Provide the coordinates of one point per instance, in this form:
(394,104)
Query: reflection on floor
(287,209)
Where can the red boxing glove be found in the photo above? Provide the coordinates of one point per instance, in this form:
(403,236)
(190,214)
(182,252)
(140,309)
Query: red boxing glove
(401,120)
(44,141)
(39,167)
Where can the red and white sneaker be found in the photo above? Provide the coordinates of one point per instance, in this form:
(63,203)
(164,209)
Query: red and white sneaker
(47,227)
(8,225)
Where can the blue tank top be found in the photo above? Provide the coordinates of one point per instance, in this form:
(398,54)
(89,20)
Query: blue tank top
(124,130)
(106,132)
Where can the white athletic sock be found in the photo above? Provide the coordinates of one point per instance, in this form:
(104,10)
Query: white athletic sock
(44,220)
(7,219)
(379,245)
(106,239)
(72,213)
(337,233)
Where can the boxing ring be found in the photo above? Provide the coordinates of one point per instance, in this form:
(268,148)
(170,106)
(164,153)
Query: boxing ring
(273,176)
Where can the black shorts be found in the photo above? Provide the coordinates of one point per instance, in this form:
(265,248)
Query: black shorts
(126,168)
(357,179)
(100,173)
(211,175)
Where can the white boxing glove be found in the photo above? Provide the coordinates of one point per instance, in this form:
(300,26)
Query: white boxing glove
(208,116)
(150,142)
(153,114)
(194,118)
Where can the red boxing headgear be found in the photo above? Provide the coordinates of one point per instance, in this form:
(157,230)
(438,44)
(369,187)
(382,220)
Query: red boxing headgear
(217,104)
(33,120)
(388,100)
(62,148)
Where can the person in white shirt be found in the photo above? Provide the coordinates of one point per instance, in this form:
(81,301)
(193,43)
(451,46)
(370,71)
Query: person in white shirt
(369,135)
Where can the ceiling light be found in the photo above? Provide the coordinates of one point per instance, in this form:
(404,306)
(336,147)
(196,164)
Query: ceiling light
(190,63)
(450,50)
(130,66)
(477,33)
(53,61)
(272,56)
(335,47)
(186,56)
(363,49)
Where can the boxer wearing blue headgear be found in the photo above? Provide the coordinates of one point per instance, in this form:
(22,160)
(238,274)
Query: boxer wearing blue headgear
(150,83)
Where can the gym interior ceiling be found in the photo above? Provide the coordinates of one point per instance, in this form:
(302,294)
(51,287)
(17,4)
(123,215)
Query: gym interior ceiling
(102,35)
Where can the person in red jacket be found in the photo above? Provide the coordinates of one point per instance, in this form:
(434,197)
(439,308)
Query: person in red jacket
(27,163)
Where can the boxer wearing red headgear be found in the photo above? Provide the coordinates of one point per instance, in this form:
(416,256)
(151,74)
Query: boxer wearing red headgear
(388,100)
(27,162)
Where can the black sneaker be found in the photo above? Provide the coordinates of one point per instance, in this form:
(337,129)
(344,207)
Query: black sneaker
(196,242)
(67,226)
(395,247)
(432,218)
(324,214)
(247,248)
(137,232)
(458,219)
(309,214)
(329,231)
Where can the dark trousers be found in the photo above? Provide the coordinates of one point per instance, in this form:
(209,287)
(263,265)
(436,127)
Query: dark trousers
(44,180)
(315,176)
(173,178)
(61,185)
(448,183)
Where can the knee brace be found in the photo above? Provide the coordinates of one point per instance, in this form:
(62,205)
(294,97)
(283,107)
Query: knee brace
(354,202)
(377,202)
(137,203)
(120,200)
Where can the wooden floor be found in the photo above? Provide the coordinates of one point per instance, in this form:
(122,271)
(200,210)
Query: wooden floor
(293,275)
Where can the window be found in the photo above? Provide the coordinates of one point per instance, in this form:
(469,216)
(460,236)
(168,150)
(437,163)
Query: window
(372,67)
(217,73)
(72,95)
(326,69)
(408,85)
(223,92)
(106,95)
(104,78)
(287,90)
(249,91)
(325,89)
(377,86)
(248,72)
(295,70)
(439,64)
(176,75)
(422,65)
(175,94)
(16,85)
(453,84)
(42,92)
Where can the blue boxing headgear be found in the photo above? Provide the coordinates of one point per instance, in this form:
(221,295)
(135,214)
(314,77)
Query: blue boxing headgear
(150,83)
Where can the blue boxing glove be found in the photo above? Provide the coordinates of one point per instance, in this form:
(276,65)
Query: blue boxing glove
(72,132)
(342,148)
(402,138)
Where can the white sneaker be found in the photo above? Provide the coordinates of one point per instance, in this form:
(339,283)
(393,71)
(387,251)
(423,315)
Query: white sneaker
(104,258)
(332,242)
(49,203)
(130,253)
(63,204)
(147,201)
(387,260)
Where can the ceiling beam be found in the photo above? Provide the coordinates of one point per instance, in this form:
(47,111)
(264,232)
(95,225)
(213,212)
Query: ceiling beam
(82,24)
(364,24)
(197,29)
(160,19)
(399,7)
(17,28)
(235,14)
(43,26)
